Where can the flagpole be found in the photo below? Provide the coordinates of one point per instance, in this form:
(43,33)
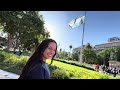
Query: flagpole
(81,51)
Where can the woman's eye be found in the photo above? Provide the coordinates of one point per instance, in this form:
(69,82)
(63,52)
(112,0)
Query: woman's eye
(50,48)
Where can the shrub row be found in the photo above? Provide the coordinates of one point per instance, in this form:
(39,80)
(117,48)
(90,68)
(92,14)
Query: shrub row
(74,63)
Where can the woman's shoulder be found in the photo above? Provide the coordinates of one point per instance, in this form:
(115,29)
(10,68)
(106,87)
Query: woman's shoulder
(37,68)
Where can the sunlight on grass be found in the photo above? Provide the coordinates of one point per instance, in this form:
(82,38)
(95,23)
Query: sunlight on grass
(80,72)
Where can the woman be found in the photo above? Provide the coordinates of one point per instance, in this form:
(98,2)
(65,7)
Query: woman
(36,67)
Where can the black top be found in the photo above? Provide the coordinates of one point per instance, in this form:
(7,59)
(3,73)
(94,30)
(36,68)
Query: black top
(40,71)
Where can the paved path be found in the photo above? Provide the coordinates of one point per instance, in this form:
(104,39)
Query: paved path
(8,75)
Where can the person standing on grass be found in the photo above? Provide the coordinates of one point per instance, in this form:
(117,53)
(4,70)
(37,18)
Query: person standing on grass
(114,71)
(36,67)
(97,67)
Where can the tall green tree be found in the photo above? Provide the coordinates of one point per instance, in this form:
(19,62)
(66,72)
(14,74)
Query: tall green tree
(89,55)
(26,27)
(70,46)
(105,55)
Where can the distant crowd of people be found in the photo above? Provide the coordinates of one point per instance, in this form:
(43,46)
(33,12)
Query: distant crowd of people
(108,70)
(20,52)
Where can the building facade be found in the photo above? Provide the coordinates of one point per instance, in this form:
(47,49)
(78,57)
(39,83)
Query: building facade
(112,43)
(77,50)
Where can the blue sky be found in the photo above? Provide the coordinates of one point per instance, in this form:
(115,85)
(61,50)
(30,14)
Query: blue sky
(99,26)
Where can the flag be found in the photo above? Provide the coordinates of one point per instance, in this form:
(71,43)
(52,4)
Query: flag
(77,22)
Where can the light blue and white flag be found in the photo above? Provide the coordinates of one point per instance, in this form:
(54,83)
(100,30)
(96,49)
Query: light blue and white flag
(77,22)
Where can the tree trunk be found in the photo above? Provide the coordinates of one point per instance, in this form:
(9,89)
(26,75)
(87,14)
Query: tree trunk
(8,44)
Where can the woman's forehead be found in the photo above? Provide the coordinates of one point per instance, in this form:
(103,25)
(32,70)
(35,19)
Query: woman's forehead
(52,44)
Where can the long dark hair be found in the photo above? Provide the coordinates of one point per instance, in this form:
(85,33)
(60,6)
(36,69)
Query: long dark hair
(37,56)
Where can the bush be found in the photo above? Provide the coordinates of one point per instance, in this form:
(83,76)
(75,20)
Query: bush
(59,74)
(3,55)
(11,62)
(52,68)
(22,61)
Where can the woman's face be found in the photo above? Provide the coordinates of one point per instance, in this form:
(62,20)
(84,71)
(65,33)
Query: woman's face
(49,51)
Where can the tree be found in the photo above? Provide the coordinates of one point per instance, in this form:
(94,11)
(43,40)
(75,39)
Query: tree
(70,49)
(25,27)
(118,53)
(88,46)
(75,56)
(89,55)
(60,49)
(105,55)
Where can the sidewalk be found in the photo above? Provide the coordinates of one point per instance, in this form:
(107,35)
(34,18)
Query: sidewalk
(8,75)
